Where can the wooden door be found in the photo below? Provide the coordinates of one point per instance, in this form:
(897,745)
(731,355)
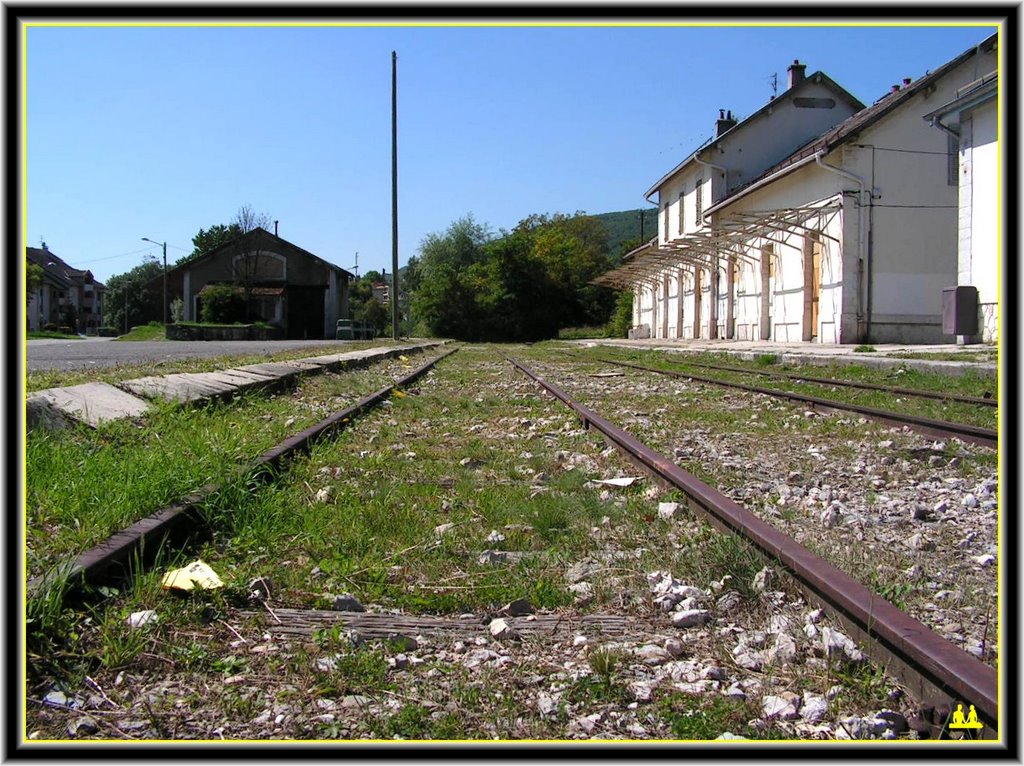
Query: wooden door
(697,271)
(815,286)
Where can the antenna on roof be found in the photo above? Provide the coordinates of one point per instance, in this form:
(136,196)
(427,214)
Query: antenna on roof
(775,84)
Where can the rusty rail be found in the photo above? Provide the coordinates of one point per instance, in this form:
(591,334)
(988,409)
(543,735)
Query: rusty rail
(932,667)
(942,429)
(940,395)
(148,533)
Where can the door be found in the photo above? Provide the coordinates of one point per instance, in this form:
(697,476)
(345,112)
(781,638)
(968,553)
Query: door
(306,312)
(815,286)
(697,271)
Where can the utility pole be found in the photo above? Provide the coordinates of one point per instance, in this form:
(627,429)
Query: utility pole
(394,195)
(164,243)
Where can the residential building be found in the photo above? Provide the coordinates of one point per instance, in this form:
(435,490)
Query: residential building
(67,297)
(286,286)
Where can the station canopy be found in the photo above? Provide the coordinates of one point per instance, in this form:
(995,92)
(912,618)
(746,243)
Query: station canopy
(730,236)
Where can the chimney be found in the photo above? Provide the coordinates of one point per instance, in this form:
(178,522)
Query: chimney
(796,72)
(724,122)
(275,228)
(906,82)
(895,88)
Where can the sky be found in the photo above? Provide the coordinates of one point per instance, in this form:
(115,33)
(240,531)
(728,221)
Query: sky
(159,131)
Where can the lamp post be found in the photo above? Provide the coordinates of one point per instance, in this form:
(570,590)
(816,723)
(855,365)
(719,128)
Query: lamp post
(164,245)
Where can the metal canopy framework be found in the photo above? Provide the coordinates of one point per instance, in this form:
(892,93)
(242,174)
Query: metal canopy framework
(731,237)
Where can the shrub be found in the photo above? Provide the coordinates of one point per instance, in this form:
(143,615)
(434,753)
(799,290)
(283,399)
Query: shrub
(222,304)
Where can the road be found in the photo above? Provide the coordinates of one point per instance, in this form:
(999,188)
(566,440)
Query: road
(95,353)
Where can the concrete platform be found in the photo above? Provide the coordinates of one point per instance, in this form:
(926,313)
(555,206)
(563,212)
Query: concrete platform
(819,353)
(91,403)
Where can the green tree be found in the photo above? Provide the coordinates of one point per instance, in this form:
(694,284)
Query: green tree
(622,317)
(33,278)
(450,264)
(209,239)
(372,312)
(127,292)
(221,304)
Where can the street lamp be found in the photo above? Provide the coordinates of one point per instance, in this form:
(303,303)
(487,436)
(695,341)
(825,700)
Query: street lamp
(164,245)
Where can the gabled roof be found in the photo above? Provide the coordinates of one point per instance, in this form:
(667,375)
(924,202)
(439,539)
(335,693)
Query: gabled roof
(252,233)
(53,266)
(819,77)
(854,125)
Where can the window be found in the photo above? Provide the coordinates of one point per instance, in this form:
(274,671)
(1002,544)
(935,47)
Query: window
(699,197)
(682,226)
(666,220)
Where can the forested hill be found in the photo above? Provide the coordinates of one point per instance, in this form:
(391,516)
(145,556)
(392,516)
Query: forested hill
(624,226)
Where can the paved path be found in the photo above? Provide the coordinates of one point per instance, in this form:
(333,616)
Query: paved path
(95,353)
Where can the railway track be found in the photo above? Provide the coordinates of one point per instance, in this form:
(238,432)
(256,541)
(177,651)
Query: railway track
(930,665)
(112,558)
(982,401)
(942,429)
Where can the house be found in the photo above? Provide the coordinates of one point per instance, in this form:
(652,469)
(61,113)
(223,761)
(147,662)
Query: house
(970,120)
(676,295)
(285,286)
(850,238)
(67,297)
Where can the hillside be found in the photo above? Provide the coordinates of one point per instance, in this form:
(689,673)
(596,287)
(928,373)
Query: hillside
(624,226)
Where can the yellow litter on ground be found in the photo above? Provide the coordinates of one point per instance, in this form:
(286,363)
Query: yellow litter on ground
(198,574)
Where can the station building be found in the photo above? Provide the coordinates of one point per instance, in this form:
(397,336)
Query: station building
(815,219)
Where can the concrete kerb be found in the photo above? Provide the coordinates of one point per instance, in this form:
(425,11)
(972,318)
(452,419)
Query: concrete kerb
(96,403)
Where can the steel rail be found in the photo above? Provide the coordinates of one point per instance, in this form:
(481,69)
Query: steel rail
(984,437)
(186,515)
(932,667)
(846,383)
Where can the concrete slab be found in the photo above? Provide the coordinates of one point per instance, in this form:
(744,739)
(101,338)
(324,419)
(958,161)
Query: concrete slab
(179,387)
(91,403)
(279,369)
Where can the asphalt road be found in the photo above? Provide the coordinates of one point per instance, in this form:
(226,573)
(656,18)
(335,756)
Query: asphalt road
(94,353)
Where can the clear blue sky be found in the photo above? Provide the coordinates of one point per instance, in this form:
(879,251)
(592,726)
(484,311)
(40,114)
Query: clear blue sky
(158,131)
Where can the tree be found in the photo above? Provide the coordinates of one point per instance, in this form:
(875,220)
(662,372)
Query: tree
(209,239)
(222,304)
(33,278)
(126,292)
(246,261)
(450,266)
(373,313)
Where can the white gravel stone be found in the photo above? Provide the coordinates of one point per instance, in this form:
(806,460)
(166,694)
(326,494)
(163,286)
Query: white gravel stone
(691,618)
(781,707)
(667,510)
(814,708)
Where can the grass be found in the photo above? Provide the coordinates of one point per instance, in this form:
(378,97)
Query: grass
(865,348)
(151,331)
(583,333)
(45,334)
(968,384)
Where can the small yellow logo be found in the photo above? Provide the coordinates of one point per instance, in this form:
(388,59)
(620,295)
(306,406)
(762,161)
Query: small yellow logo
(970,722)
